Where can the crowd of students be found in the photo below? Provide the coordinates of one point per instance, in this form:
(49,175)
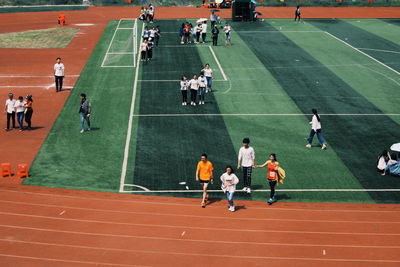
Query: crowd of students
(197,34)
(147,13)
(150,38)
(21,109)
(197,85)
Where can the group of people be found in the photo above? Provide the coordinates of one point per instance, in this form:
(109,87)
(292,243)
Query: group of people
(198,34)
(229,180)
(200,85)
(150,38)
(21,109)
(147,13)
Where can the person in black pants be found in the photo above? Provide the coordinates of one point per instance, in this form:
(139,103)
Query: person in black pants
(150,44)
(215,33)
(29,111)
(297,13)
(59,74)
(10,111)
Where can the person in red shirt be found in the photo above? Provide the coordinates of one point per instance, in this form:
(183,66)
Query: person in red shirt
(272,175)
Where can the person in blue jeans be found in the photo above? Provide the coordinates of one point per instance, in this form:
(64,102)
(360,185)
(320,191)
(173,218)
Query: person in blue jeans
(84,112)
(202,87)
(316,129)
(229,181)
(20,111)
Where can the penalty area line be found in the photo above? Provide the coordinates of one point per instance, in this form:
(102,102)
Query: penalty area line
(254,115)
(268,190)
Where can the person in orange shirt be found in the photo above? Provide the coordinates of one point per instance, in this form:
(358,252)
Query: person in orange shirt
(272,175)
(204,174)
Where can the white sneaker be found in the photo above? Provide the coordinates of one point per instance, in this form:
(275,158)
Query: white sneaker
(194,104)
(248,190)
(82,131)
(203,102)
(244,189)
(88,129)
(308,145)
(323,147)
(207,91)
(183,104)
(232,209)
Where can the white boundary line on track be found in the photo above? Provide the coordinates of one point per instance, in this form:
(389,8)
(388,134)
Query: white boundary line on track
(219,64)
(33,86)
(190,215)
(129,131)
(246,230)
(36,76)
(380,50)
(189,253)
(135,201)
(365,54)
(268,190)
(261,115)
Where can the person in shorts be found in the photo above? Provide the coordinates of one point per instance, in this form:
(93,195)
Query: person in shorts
(204,175)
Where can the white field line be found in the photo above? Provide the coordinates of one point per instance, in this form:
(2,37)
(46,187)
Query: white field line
(129,131)
(120,53)
(203,255)
(109,45)
(138,186)
(36,76)
(118,66)
(124,28)
(365,54)
(268,190)
(265,114)
(274,31)
(184,46)
(219,65)
(145,202)
(174,80)
(380,50)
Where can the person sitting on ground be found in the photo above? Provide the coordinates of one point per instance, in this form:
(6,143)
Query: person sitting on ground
(142,15)
(393,165)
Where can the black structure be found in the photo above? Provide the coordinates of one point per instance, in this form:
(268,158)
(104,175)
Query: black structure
(243,10)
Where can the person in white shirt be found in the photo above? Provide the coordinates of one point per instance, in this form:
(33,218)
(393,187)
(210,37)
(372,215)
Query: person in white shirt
(316,129)
(229,181)
(202,88)
(208,73)
(143,50)
(246,157)
(199,29)
(151,13)
(194,87)
(204,31)
(227,31)
(152,32)
(59,74)
(213,19)
(184,89)
(20,110)
(10,111)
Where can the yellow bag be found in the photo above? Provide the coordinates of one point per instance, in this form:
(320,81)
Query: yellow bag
(281,175)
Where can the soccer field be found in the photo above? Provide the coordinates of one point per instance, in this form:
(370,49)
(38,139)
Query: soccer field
(265,85)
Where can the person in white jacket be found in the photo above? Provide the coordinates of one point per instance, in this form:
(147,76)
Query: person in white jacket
(202,88)
(316,129)
(229,181)
(194,87)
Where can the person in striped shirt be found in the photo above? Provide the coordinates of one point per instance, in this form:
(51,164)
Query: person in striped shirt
(184,89)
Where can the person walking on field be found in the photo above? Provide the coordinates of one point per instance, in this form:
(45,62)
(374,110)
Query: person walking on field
(202,88)
(84,112)
(229,181)
(297,14)
(272,175)
(194,87)
(9,109)
(199,30)
(208,73)
(184,89)
(246,160)
(204,31)
(214,34)
(227,31)
(316,129)
(143,50)
(204,175)
(20,110)
(59,73)
(29,111)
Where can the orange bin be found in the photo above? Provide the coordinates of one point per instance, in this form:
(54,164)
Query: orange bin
(6,169)
(23,170)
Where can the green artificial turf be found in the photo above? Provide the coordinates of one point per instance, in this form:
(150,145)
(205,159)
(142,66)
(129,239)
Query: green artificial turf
(287,71)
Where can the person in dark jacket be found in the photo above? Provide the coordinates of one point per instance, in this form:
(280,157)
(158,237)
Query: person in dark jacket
(84,112)
(214,33)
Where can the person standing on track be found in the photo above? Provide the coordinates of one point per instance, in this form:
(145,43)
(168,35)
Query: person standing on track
(84,112)
(316,129)
(214,34)
(20,111)
(272,175)
(208,74)
(246,157)
(151,13)
(213,19)
(229,181)
(59,73)
(29,111)
(297,13)
(9,109)
(204,175)
(202,88)
(227,31)
(194,87)
(184,89)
